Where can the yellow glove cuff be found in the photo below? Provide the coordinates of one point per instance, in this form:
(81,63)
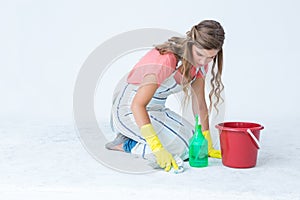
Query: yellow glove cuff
(147,130)
(151,137)
(206,133)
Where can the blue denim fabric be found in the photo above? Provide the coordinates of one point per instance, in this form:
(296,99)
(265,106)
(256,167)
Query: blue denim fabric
(128,145)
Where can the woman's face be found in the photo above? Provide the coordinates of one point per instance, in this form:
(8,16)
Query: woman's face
(202,57)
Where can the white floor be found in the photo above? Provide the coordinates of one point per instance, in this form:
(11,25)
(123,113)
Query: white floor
(43,160)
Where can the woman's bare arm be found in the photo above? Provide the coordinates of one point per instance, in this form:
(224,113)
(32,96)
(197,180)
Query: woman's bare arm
(142,98)
(198,102)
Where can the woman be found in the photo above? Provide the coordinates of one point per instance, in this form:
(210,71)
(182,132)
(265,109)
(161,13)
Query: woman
(143,123)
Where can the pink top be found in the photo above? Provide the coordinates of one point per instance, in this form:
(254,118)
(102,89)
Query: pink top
(160,65)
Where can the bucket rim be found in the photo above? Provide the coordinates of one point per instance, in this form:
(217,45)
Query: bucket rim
(222,126)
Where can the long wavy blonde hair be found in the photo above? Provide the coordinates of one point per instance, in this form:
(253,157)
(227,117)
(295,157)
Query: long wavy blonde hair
(208,34)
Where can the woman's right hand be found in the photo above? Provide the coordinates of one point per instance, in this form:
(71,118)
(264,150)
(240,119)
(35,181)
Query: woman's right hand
(143,96)
(164,159)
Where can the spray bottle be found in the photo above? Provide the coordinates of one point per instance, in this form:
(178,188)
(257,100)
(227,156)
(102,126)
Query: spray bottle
(198,149)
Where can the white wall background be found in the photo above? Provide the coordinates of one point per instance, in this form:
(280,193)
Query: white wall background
(44,44)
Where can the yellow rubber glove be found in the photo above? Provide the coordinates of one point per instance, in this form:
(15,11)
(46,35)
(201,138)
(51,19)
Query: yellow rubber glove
(211,151)
(163,158)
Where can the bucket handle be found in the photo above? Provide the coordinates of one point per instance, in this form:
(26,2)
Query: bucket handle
(254,138)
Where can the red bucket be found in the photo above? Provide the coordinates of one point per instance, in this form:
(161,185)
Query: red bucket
(239,143)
